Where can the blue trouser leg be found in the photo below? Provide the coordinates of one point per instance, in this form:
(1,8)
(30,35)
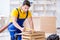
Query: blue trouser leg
(12,34)
(19,37)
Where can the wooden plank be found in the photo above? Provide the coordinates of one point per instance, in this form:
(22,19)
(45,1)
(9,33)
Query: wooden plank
(48,24)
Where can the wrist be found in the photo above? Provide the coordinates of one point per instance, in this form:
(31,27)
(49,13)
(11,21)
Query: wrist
(22,29)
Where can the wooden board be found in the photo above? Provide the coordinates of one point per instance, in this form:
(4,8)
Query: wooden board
(48,24)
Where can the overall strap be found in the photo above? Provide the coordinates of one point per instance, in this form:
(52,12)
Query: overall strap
(18,12)
(27,14)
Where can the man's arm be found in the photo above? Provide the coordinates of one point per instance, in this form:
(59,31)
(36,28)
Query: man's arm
(14,19)
(3,28)
(31,23)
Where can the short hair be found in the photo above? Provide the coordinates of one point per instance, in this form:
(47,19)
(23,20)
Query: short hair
(26,2)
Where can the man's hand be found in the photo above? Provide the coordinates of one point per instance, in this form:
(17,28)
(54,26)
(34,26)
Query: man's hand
(29,30)
(23,29)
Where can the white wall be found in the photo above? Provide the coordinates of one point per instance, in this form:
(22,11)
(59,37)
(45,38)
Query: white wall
(4,7)
(58,13)
(4,11)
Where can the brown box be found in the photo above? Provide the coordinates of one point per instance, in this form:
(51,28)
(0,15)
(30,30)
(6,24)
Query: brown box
(33,36)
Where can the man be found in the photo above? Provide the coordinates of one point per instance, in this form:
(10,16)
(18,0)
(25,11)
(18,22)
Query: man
(18,16)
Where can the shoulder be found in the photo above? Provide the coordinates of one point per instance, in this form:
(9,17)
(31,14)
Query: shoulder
(29,14)
(15,9)
(14,12)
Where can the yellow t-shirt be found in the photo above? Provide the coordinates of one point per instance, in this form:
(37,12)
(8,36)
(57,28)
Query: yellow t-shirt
(22,15)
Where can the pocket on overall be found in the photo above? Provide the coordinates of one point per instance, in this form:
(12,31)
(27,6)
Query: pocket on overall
(11,27)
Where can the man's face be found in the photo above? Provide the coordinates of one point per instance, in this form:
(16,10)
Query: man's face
(25,8)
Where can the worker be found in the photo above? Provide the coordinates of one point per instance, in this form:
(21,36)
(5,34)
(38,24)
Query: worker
(18,16)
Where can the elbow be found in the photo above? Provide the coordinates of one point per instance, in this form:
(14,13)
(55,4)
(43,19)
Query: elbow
(14,22)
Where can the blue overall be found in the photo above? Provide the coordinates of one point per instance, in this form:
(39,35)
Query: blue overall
(13,30)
